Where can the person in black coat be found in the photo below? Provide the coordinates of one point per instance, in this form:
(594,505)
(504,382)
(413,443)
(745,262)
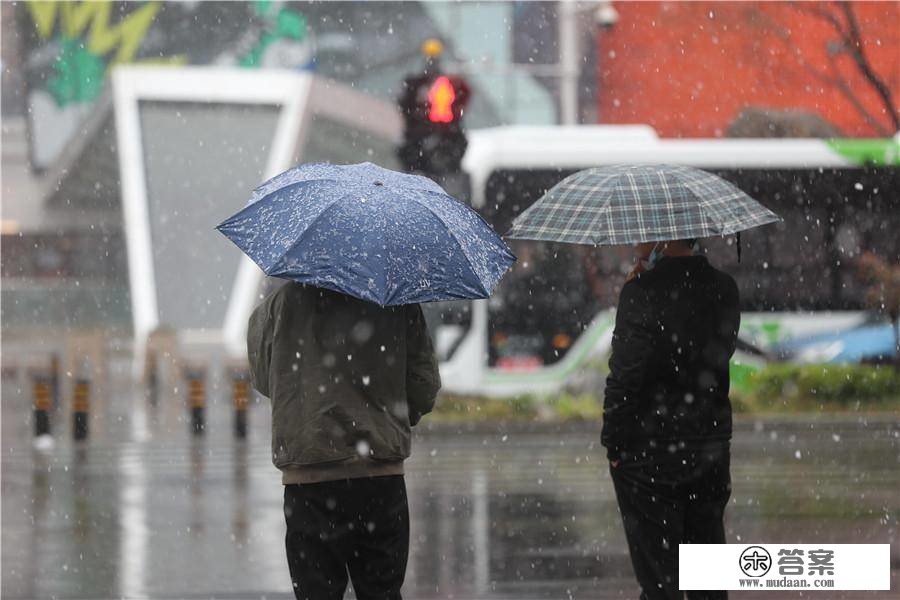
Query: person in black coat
(666,414)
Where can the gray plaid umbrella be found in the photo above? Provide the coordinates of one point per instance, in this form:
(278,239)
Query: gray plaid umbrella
(628,204)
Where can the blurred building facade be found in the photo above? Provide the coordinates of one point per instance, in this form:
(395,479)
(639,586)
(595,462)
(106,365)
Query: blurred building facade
(691,69)
(686,69)
(64,253)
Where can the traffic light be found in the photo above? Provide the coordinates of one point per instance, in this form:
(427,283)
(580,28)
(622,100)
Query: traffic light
(441,98)
(432,103)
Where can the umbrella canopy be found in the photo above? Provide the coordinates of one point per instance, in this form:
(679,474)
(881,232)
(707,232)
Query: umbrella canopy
(365,231)
(629,204)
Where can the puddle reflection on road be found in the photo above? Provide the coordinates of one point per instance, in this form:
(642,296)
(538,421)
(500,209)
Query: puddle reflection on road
(518,515)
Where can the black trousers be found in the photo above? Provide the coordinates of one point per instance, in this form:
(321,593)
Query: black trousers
(670,499)
(360,526)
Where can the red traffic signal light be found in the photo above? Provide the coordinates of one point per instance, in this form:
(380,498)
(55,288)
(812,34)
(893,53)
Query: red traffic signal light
(441,97)
(432,106)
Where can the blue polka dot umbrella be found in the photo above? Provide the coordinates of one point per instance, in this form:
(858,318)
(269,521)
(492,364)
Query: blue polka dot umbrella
(371,233)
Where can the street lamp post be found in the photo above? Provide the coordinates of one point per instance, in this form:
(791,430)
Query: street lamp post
(568,62)
(569,12)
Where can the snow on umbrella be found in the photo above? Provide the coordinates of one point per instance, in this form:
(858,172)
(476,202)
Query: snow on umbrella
(629,204)
(372,233)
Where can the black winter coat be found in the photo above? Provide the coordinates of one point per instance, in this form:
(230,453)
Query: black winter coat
(676,329)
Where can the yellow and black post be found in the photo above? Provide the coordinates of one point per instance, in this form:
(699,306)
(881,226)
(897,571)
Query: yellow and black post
(80,408)
(42,391)
(240,390)
(152,379)
(54,378)
(196,389)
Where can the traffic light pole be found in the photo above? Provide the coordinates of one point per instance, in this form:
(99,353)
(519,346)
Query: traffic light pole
(568,62)
(432,104)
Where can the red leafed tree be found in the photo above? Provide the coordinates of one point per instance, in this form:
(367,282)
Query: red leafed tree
(690,68)
(848,41)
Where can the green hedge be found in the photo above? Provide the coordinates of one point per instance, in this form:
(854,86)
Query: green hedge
(563,407)
(475,408)
(776,388)
(583,407)
(789,386)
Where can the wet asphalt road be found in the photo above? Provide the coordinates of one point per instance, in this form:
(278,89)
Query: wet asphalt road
(143,510)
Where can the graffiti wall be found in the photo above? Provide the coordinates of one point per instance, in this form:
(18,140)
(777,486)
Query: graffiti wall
(69,48)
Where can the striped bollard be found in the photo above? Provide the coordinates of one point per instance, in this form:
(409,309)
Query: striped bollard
(42,392)
(196,389)
(240,386)
(80,409)
(153,380)
(54,379)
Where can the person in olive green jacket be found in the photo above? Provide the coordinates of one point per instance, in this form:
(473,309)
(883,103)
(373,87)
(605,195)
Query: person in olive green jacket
(347,380)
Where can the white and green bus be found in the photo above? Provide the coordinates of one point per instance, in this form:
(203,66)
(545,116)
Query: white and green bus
(550,320)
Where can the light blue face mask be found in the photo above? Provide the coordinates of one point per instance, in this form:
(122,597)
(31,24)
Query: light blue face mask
(654,257)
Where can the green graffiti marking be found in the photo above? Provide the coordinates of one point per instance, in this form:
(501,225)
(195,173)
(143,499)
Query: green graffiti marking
(286,24)
(78,74)
(880,152)
(89,45)
(771,332)
(739,374)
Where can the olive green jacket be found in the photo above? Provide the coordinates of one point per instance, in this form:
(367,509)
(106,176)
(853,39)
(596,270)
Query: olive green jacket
(347,378)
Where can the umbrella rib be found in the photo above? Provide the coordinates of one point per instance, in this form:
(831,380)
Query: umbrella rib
(308,227)
(705,204)
(255,202)
(606,208)
(297,183)
(455,239)
(333,180)
(446,196)
(503,248)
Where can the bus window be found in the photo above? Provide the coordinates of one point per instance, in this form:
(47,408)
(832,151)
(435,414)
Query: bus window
(804,263)
(807,262)
(448,323)
(544,303)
